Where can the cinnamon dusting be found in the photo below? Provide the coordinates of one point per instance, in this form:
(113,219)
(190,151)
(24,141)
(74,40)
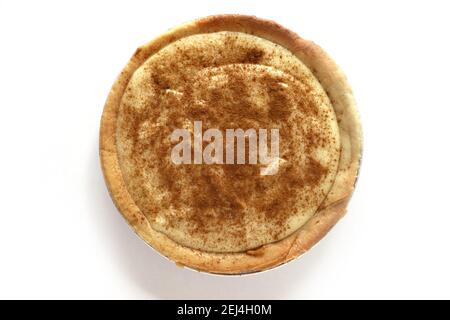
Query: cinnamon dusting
(223,89)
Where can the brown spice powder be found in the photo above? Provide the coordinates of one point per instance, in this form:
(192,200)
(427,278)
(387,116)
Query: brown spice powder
(220,196)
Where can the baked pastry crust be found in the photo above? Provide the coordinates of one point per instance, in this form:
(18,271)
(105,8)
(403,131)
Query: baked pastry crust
(331,210)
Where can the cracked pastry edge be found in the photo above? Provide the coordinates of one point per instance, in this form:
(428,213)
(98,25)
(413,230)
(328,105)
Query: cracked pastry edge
(333,207)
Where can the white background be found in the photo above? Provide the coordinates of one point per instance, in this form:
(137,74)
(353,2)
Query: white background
(60,235)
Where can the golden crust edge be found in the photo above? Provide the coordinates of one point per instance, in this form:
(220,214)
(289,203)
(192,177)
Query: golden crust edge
(334,83)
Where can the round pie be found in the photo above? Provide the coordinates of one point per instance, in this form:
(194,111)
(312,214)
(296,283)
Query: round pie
(230,144)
